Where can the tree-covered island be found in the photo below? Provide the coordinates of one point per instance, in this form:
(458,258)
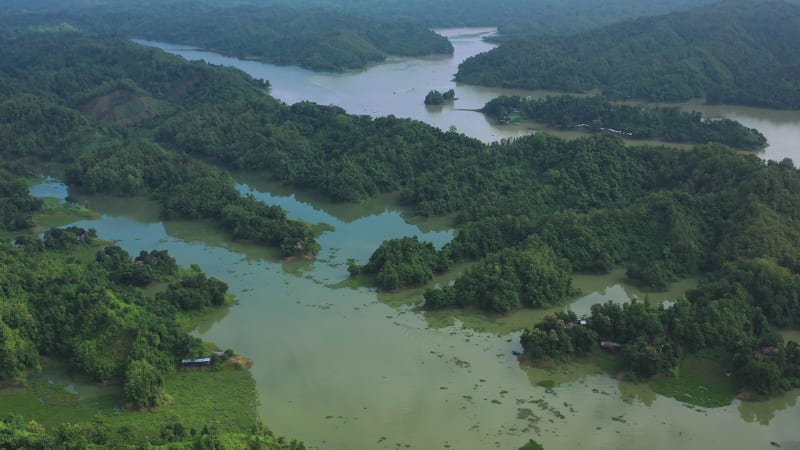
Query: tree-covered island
(434,97)
(595,114)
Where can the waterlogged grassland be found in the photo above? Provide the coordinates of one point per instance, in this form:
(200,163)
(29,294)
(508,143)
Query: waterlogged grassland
(551,374)
(224,398)
(481,321)
(699,382)
(54,213)
(53,397)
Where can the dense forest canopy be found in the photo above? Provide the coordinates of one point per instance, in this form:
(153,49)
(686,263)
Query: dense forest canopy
(59,301)
(730,52)
(87,103)
(85,313)
(316,39)
(129,120)
(144,98)
(87,108)
(596,204)
(512,18)
(596,114)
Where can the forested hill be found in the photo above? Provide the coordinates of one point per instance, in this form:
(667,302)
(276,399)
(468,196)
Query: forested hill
(130,120)
(90,105)
(530,17)
(730,52)
(315,39)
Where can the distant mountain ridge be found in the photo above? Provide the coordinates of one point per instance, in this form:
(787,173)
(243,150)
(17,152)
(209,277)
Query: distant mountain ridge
(529,17)
(316,39)
(729,52)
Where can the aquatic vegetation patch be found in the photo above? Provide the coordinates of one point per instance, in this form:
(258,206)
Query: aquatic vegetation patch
(549,384)
(532,445)
(699,382)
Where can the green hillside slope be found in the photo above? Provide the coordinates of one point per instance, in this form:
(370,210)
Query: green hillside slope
(730,52)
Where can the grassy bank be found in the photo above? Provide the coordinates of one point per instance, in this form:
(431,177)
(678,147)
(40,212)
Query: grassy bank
(224,399)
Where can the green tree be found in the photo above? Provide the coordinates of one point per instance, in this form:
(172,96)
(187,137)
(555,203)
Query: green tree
(144,385)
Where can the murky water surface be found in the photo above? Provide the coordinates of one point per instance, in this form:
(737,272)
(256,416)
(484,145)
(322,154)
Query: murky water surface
(351,369)
(399,86)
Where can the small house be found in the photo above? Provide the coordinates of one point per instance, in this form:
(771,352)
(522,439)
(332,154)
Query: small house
(610,345)
(196,362)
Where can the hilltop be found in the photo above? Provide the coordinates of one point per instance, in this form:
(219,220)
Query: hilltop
(730,52)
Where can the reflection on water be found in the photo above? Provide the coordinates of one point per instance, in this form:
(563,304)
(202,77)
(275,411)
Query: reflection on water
(763,412)
(637,392)
(614,287)
(210,318)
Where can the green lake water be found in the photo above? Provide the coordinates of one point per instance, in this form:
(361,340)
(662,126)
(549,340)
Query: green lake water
(348,368)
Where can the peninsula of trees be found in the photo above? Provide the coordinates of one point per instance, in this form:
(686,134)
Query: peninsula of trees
(729,52)
(66,295)
(316,39)
(595,114)
(95,111)
(592,204)
(520,18)
(129,120)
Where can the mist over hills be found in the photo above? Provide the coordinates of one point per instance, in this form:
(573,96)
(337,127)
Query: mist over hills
(317,39)
(511,18)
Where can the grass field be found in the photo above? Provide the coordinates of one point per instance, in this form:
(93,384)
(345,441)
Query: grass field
(56,214)
(225,399)
(697,381)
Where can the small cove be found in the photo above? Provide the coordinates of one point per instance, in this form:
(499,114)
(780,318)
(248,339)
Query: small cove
(346,367)
(343,367)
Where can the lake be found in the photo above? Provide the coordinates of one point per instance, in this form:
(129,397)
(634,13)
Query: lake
(348,368)
(399,86)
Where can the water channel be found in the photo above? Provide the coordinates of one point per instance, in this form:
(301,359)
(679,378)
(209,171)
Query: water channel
(346,368)
(399,85)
